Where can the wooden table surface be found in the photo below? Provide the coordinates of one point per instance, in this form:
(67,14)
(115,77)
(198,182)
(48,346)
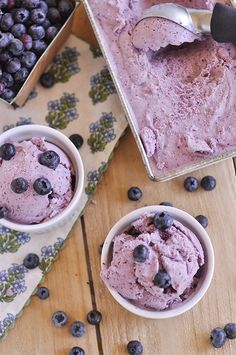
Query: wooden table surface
(75,285)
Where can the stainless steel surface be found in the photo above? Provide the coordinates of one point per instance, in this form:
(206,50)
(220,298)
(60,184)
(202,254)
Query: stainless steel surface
(194,20)
(131,120)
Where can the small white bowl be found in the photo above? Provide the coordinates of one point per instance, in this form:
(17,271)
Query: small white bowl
(189,222)
(51,135)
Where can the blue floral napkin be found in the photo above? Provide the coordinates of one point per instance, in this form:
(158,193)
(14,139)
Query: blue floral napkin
(82,101)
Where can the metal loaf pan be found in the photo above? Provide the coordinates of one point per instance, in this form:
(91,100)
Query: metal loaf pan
(125,103)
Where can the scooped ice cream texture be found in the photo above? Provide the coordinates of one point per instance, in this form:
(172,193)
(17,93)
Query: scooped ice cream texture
(31,206)
(182,99)
(176,251)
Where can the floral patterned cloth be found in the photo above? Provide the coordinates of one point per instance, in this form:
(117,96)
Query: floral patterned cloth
(82,101)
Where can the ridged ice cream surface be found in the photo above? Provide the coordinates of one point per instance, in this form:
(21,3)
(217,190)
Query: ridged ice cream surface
(29,207)
(182,99)
(176,250)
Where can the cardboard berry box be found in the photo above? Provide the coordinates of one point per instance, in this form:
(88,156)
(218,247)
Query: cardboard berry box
(44,60)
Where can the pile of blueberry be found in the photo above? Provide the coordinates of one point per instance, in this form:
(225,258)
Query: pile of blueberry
(219,335)
(26,29)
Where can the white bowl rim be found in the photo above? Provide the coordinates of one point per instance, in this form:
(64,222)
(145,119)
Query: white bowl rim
(45,131)
(201,234)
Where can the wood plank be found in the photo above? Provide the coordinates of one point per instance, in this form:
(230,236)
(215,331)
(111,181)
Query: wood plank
(82,28)
(189,333)
(34,333)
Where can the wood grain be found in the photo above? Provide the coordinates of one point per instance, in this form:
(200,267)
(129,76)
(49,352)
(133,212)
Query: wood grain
(189,333)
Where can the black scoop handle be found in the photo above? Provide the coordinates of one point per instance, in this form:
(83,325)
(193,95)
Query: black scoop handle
(223,23)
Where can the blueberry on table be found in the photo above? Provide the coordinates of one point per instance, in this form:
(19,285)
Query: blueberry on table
(59,319)
(94,317)
(77,140)
(77,329)
(208,183)
(162,279)
(191,184)
(50,159)
(230,330)
(166,204)
(7,151)
(21,15)
(163,220)
(42,293)
(134,347)
(140,253)
(134,193)
(76,350)
(19,185)
(47,80)
(218,337)
(4,212)
(203,220)
(31,261)
(42,186)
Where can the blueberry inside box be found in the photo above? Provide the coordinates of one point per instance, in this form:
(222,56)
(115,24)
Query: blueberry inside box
(41,57)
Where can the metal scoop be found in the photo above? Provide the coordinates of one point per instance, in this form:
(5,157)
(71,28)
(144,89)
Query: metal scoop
(221,22)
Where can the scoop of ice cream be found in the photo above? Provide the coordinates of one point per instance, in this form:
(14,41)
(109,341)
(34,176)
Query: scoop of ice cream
(156,33)
(176,251)
(30,207)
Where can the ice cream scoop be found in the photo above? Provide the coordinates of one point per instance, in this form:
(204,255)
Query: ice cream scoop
(188,24)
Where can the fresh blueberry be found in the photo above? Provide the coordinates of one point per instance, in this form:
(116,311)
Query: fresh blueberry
(230,330)
(42,293)
(30,4)
(13,65)
(54,15)
(134,347)
(7,151)
(18,30)
(134,193)
(3,4)
(8,95)
(39,46)
(140,253)
(19,185)
(47,80)
(10,36)
(43,6)
(21,15)
(163,220)
(27,41)
(208,183)
(166,204)
(31,261)
(4,212)
(7,21)
(77,140)
(162,279)
(59,319)
(77,329)
(16,47)
(76,350)
(51,33)
(65,8)
(202,220)
(5,56)
(37,16)
(94,317)
(51,3)
(2,87)
(46,24)
(28,59)
(4,41)
(11,4)
(42,186)
(50,159)
(36,32)
(218,337)
(7,79)
(191,184)
(21,75)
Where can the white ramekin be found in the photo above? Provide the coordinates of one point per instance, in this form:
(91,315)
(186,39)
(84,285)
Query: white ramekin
(51,135)
(189,222)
